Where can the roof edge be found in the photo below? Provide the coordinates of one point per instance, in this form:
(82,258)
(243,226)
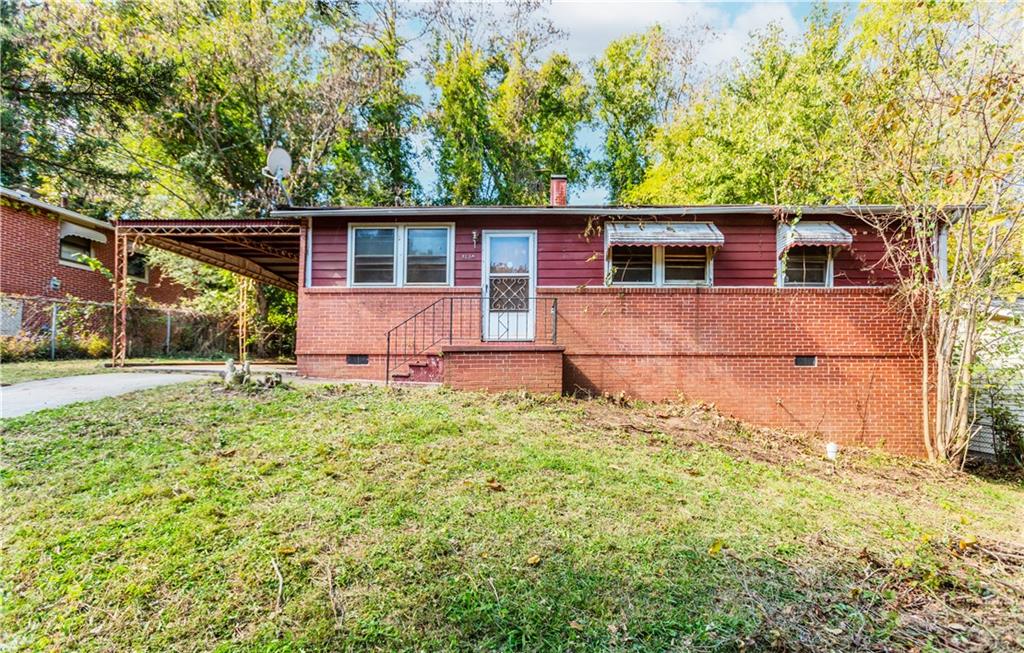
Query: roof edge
(594,211)
(68,214)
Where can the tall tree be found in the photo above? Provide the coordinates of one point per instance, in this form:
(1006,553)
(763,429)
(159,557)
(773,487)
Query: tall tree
(64,101)
(503,119)
(771,131)
(638,82)
(459,125)
(390,113)
(939,129)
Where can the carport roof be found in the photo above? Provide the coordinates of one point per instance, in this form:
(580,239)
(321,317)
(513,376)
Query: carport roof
(264,250)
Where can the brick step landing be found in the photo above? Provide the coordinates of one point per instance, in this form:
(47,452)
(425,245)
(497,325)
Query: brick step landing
(498,367)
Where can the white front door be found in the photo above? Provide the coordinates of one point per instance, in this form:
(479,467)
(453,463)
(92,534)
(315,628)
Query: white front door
(509,285)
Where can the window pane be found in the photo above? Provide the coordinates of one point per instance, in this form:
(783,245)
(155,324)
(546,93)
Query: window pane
(137,265)
(74,248)
(685,266)
(806,267)
(426,256)
(510,254)
(632,264)
(374,256)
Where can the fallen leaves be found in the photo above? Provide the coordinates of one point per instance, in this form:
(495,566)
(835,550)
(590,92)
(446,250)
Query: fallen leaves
(967,541)
(716,547)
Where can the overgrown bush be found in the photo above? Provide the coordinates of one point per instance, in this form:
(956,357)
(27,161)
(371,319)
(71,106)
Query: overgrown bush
(94,345)
(22,347)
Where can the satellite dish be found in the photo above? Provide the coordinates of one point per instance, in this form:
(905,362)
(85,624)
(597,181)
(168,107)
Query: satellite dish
(279,162)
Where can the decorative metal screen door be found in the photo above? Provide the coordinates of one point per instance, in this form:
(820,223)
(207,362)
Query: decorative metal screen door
(509,285)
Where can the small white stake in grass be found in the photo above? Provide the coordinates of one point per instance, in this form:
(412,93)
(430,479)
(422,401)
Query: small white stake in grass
(831,451)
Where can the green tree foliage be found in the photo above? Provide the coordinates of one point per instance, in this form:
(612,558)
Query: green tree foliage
(504,119)
(390,113)
(772,132)
(503,124)
(459,125)
(635,88)
(65,102)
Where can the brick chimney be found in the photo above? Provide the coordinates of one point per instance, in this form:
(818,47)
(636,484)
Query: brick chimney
(559,191)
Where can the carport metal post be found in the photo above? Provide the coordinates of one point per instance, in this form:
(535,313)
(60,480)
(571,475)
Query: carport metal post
(167,336)
(119,341)
(53,331)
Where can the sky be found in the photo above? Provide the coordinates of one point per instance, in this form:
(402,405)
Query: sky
(591,26)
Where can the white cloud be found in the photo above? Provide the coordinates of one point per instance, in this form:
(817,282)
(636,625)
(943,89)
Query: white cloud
(591,26)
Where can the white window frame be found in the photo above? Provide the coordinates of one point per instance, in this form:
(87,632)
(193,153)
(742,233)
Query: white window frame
(400,253)
(780,273)
(659,269)
(75,264)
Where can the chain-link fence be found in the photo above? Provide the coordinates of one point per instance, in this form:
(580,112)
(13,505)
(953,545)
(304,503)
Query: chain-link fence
(43,327)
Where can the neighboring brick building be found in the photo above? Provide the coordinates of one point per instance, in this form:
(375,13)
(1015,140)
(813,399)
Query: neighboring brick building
(778,315)
(39,245)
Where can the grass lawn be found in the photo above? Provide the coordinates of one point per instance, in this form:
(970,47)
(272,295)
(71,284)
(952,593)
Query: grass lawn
(11,373)
(346,517)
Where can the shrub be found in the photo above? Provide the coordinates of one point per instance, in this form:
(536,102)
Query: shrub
(93,345)
(22,347)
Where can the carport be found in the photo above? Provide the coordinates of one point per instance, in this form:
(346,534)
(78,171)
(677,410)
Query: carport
(266,251)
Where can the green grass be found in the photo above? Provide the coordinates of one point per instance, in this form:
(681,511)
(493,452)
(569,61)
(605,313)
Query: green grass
(436,520)
(11,373)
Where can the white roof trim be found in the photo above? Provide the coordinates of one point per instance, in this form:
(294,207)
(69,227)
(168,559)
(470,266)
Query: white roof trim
(821,234)
(67,214)
(665,234)
(71,229)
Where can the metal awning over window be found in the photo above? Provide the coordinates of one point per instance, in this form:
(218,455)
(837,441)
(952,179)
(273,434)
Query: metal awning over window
(72,229)
(664,234)
(811,234)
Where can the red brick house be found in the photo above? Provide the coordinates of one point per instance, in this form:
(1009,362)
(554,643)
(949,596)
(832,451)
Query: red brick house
(782,324)
(41,246)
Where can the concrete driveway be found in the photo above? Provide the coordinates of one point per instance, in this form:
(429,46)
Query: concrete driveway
(28,397)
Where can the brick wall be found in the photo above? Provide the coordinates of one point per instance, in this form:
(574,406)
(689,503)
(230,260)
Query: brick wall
(496,369)
(734,347)
(29,257)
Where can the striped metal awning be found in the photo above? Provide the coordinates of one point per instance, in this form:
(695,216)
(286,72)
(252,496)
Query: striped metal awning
(664,234)
(811,234)
(72,229)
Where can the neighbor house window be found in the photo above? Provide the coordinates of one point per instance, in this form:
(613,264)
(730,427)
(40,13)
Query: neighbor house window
(808,266)
(400,255)
(75,249)
(659,266)
(138,268)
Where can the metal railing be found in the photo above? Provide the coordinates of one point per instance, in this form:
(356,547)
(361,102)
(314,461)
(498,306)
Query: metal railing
(469,319)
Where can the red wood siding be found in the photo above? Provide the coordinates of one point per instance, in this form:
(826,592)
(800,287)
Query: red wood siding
(567,258)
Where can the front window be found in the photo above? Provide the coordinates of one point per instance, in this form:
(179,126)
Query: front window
(685,266)
(659,266)
(632,264)
(426,255)
(75,249)
(807,266)
(373,260)
(401,255)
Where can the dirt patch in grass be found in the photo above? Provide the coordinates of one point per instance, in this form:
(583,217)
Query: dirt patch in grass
(367,518)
